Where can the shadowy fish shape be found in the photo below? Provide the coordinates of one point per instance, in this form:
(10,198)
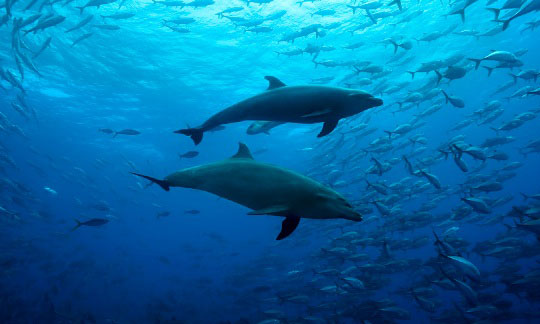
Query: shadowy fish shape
(91,222)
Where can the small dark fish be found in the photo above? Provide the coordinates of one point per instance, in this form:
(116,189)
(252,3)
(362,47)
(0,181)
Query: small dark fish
(92,222)
(163,214)
(106,130)
(188,155)
(192,212)
(127,132)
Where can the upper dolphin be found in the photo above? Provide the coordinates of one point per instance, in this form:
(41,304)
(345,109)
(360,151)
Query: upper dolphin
(264,188)
(307,104)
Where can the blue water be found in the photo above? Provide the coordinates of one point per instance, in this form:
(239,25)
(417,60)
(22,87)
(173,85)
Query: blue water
(207,261)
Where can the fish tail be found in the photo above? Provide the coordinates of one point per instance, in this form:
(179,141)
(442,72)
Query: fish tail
(79,224)
(505,23)
(196,134)
(439,77)
(462,14)
(81,9)
(389,134)
(162,183)
(476,62)
(514,77)
(525,197)
(445,95)
(495,11)
(411,73)
(489,69)
(395,46)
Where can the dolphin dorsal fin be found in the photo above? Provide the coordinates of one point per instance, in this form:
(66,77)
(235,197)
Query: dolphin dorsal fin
(274,82)
(243,152)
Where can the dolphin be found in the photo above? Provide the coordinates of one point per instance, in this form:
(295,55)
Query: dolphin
(264,188)
(308,104)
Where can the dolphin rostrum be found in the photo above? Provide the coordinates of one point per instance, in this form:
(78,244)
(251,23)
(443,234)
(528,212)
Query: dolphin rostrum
(308,104)
(264,188)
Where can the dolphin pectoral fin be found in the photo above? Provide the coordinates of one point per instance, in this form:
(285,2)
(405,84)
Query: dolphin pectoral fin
(328,127)
(270,210)
(274,83)
(317,113)
(288,226)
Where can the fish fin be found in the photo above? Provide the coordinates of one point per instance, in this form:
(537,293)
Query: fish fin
(162,183)
(274,83)
(317,113)
(439,77)
(288,226)
(269,210)
(79,224)
(328,127)
(195,134)
(243,152)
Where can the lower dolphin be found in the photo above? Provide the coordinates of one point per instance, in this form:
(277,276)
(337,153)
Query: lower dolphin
(308,104)
(264,188)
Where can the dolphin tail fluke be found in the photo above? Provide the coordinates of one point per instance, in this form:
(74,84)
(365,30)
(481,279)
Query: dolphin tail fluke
(79,224)
(195,134)
(162,183)
(288,226)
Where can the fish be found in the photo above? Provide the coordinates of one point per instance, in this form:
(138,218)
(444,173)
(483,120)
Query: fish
(259,127)
(498,56)
(453,100)
(298,104)
(188,155)
(94,3)
(128,131)
(94,222)
(263,188)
